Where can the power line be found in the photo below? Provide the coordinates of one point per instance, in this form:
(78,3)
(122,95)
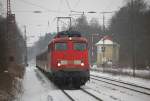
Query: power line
(59,6)
(77,3)
(23,11)
(68,5)
(39,6)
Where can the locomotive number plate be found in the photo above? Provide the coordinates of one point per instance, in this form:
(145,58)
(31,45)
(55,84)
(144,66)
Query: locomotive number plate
(70,62)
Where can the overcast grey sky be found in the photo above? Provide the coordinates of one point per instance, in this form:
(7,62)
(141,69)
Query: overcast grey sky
(37,24)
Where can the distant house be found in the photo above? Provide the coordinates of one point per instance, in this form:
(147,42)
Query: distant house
(107,51)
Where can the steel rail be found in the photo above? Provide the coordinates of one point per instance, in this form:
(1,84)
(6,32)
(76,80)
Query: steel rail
(122,86)
(67,95)
(131,84)
(97,98)
(83,90)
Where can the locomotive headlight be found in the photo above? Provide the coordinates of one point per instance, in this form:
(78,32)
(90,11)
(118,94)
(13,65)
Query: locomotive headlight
(58,64)
(70,38)
(82,64)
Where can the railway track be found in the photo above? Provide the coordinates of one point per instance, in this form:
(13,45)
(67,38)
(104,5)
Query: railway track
(122,84)
(91,95)
(70,96)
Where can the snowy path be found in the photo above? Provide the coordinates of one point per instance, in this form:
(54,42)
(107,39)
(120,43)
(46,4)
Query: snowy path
(38,88)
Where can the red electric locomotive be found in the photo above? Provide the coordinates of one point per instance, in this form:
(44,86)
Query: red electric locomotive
(66,59)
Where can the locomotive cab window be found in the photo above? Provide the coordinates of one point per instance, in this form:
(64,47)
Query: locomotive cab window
(80,46)
(60,46)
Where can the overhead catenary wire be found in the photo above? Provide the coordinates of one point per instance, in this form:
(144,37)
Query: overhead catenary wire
(68,5)
(59,6)
(77,3)
(44,8)
(49,10)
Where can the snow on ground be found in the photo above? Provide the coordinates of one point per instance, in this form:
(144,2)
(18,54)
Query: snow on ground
(36,87)
(108,92)
(112,93)
(130,79)
(126,71)
(79,95)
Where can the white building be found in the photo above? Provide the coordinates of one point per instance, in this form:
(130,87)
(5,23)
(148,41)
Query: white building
(107,51)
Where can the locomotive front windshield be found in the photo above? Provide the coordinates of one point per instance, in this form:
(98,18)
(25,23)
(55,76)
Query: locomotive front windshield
(80,46)
(60,46)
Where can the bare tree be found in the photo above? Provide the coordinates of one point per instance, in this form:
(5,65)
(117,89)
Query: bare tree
(1,9)
(130,23)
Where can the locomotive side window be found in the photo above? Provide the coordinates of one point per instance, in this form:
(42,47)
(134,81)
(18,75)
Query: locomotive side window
(60,46)
(80,46)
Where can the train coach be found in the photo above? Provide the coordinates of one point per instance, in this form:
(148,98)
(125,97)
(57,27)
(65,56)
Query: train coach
(66,59)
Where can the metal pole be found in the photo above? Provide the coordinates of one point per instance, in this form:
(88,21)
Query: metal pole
(103,37)
(103,22)
(92,50)
(103,50)
(26,50)
(70,24)
(57,24)
(133,36)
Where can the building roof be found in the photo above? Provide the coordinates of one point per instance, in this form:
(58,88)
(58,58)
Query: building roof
(105,42)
